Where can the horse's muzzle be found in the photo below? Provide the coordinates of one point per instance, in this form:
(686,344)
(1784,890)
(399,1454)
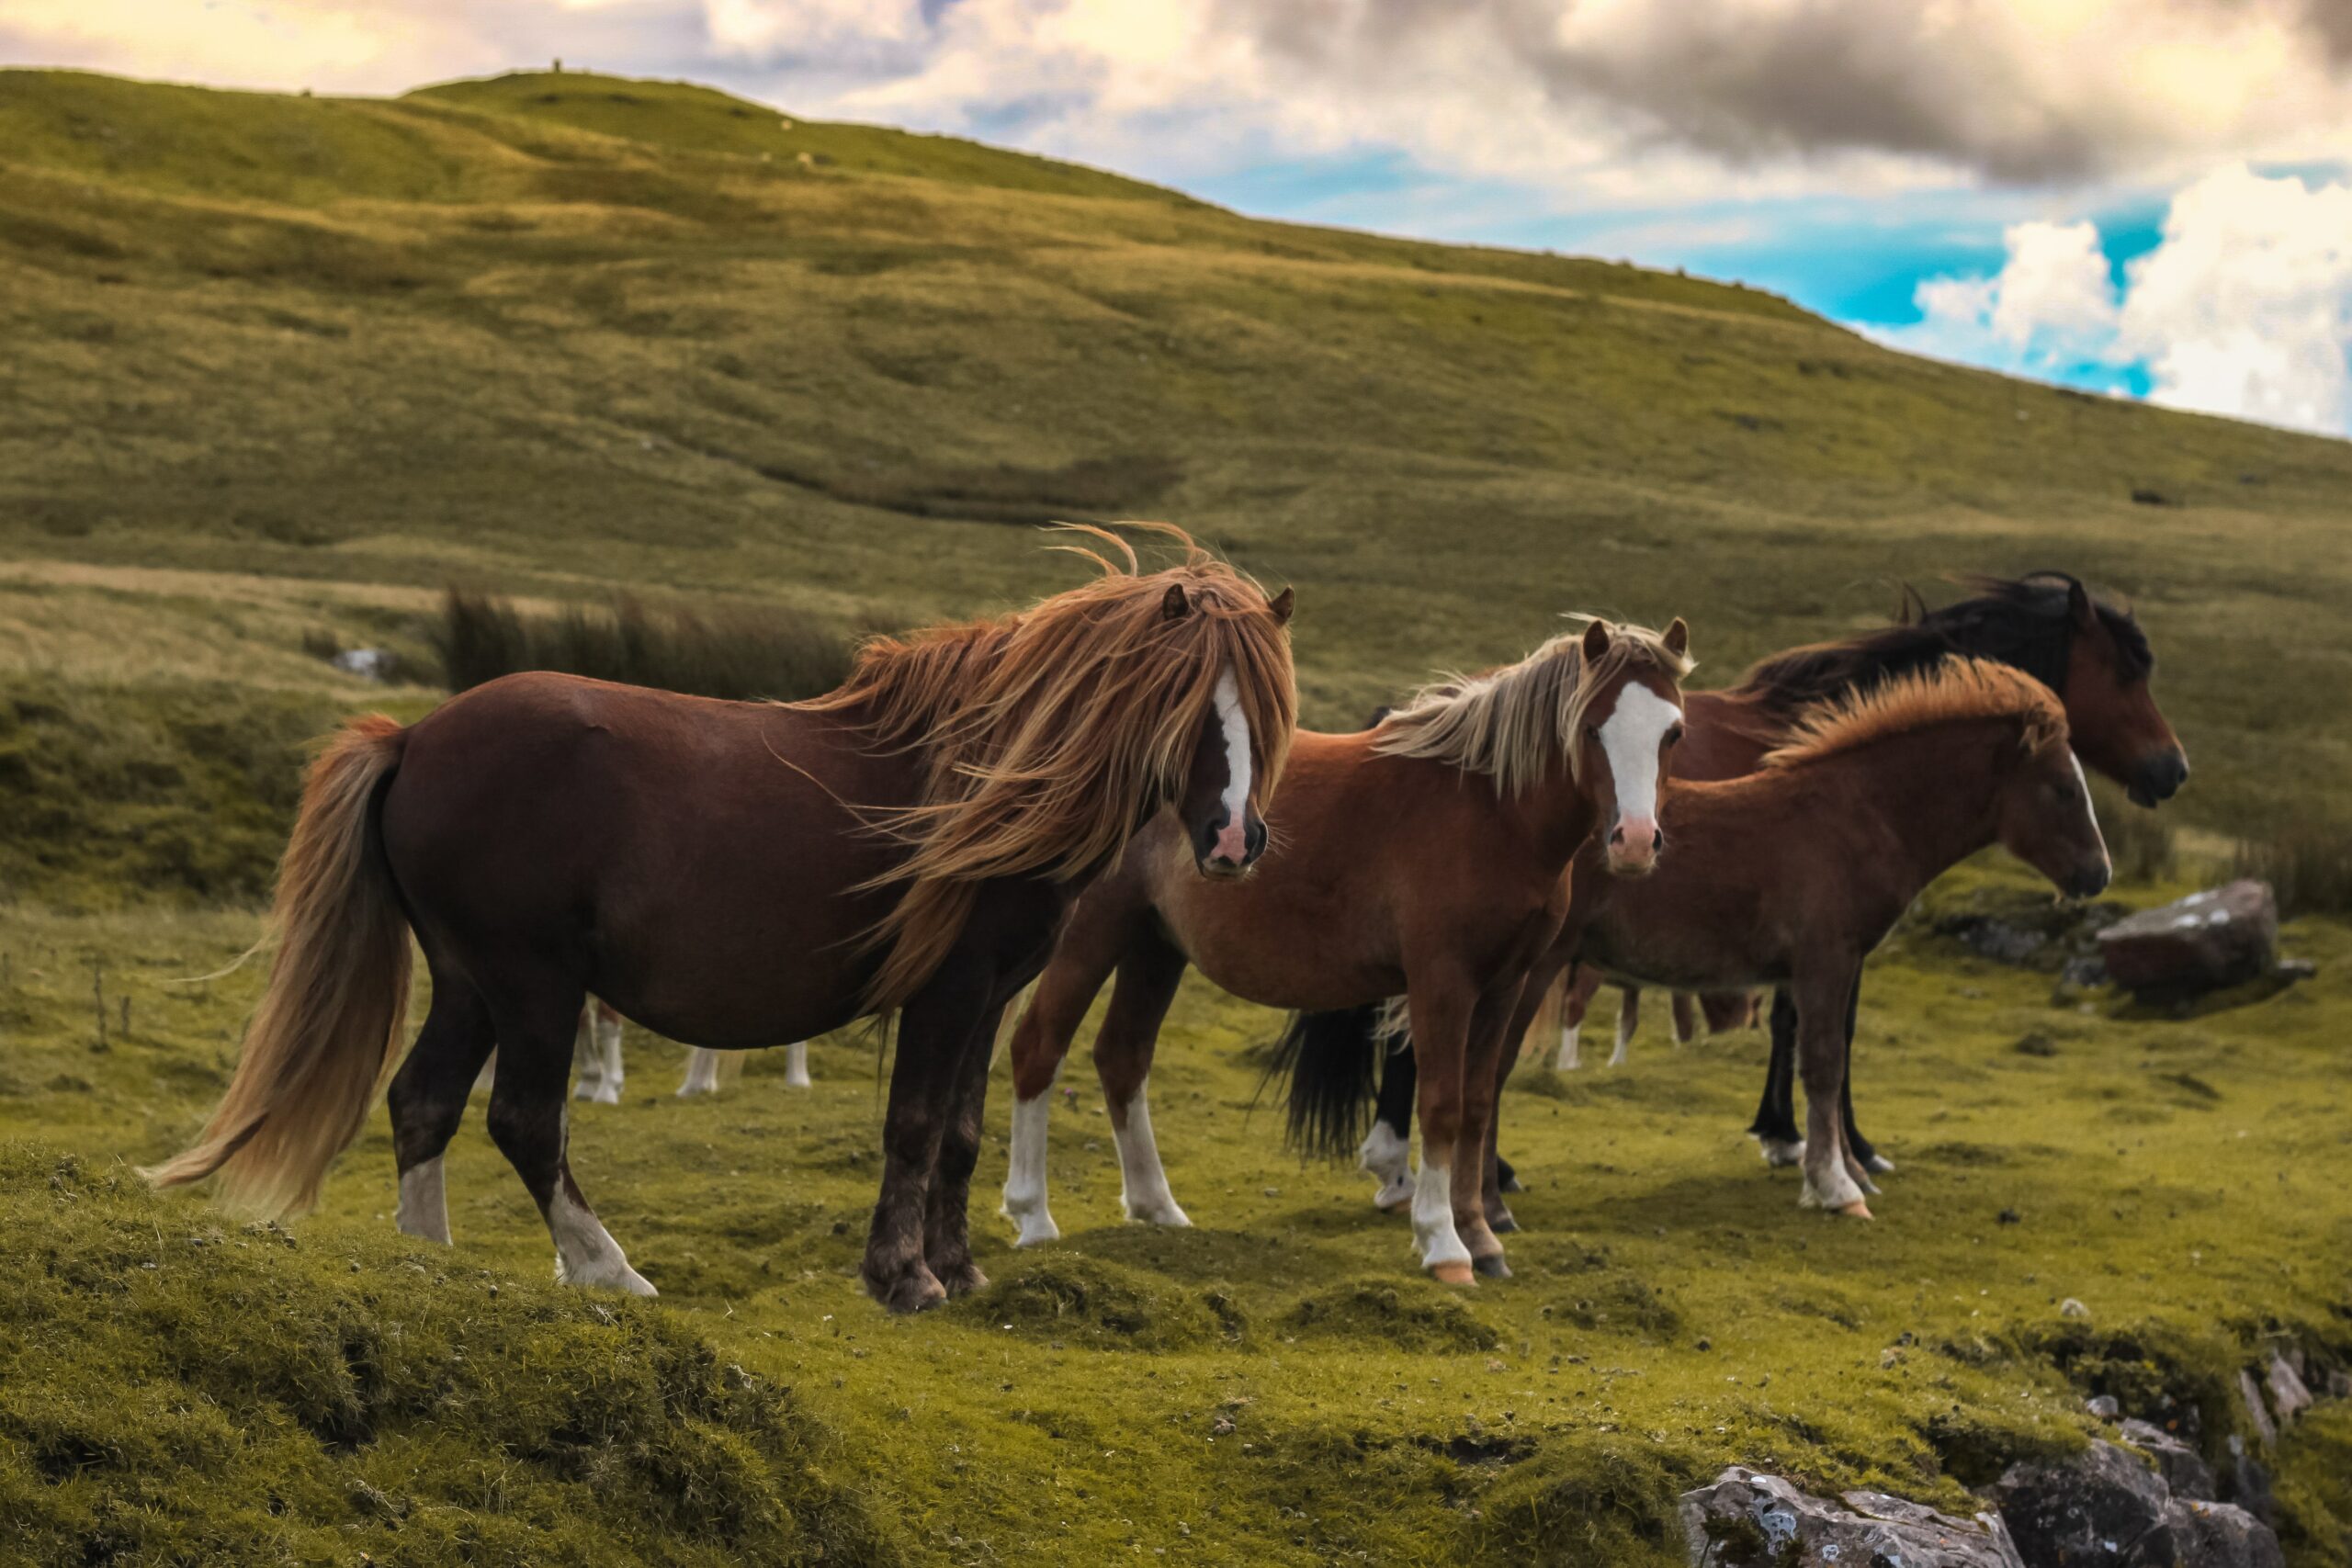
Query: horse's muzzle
(2160,777)
(1634,845)
(2089,881)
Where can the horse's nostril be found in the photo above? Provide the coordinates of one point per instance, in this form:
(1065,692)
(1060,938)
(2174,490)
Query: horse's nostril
(1617,835)
(1657,838)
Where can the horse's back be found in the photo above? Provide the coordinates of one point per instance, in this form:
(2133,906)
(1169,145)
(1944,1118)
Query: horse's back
(662,848)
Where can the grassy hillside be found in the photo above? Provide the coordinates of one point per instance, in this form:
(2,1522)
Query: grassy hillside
(279,368)
(549,332)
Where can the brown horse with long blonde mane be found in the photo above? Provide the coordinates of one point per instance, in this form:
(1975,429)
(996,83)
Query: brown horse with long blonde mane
(734,873)
(1791,874)
(1390,848)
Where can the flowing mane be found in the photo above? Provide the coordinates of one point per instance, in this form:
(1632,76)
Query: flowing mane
(2023,622)
(1049,734)
(1954,692)
(1515,722)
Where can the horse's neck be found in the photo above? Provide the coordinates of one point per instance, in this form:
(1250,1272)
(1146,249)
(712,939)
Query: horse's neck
(1557,816)
(1932,795)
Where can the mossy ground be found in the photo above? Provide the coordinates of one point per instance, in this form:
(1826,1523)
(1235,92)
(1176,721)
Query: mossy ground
(279,368)
(1277,1384)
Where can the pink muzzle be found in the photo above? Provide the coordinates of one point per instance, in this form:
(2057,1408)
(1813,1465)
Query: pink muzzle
(1634,843)
(1232,843)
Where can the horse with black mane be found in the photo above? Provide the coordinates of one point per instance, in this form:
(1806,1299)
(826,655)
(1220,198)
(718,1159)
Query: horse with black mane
(2092,654)
(1790,875)
(735,873)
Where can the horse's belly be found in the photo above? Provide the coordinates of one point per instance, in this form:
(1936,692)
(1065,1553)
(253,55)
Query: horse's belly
(1282,951)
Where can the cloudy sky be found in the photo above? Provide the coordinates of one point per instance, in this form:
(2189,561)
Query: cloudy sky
(2149,197)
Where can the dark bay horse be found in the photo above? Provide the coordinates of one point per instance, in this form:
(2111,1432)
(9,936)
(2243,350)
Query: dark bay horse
(735,873)
(2092,654)
(1790,875)
(1390,848)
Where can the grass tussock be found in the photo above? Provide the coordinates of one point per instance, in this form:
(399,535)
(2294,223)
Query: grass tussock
(1384,1313)
(737,652)
(1072,1299)
(172,1390)
(2307,860)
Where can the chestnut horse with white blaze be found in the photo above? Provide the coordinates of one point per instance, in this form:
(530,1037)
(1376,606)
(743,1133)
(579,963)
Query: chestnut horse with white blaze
(1791,874)
(2092,654)
(734,873)
(1389,848)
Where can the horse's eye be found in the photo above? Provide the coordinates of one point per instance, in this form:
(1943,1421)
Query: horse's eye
(1592,732)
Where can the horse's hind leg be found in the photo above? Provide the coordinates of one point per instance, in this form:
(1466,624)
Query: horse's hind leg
(596,1056)
(527,1120)
(1858,1147)
(702,1073)
(428,1099)
(1685,1017)
(1629,1018)
(1387,1151)
(1775,1127)
(1576,997)
(796,1066)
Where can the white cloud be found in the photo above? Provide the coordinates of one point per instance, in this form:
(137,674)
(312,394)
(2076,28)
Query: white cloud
(2243,307)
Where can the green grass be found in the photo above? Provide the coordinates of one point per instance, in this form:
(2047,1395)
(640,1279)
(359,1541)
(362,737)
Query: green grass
(1277,1384)
(283,370)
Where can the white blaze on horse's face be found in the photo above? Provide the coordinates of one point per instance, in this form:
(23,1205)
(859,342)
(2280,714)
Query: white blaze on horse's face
(1633,738)
(1233,838)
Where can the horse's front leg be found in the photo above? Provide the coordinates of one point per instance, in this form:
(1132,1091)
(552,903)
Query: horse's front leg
(935,1028)
(948,1246)
(1478,1208)
(1441,1005)
(1830,1173)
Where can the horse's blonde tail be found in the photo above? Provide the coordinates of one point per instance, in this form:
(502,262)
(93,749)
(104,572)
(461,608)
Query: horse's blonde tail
(331,1018)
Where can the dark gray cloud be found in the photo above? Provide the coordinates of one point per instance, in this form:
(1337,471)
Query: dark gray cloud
(1974,83)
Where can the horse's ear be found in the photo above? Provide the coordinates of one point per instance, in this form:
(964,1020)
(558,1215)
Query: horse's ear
(1175,607)
(2079,608)
(1677,639)
(1282,605)
(1596,639)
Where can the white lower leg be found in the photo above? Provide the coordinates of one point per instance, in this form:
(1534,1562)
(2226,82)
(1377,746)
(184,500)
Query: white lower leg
(1024,1182)
(1828,1184)
(796,1066)
(424,1205)
(1626,1020)
(1434,1231)
(609,1050)
(1779,1152)
(587,1064)
(1571,1055)
(585,1253)
(702,1073)
(1143,1184)
(1389,1155)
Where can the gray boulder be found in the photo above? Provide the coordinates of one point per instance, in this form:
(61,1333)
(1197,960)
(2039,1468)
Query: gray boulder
(1749,1520)
(2105,1508)
(2224,936)
(2184,1469)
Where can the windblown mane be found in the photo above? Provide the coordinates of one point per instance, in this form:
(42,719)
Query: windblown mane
(1049,734)
(2023,622)
(1954,692)
(1515,722)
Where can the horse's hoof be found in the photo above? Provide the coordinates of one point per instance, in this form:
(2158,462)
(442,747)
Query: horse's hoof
(1453,1274)
(959,1279)
(1393,1199)
(1857,1209)
(1879,1164)
(1492,1266)
(1502,1224)
(1511,1184)
(913,1291)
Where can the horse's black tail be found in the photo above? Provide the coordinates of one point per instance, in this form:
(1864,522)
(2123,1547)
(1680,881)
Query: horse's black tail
(1332,1060)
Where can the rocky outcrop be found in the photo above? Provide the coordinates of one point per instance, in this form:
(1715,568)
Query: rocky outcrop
(2105,1507)
(1749,1520)
(2222,937)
